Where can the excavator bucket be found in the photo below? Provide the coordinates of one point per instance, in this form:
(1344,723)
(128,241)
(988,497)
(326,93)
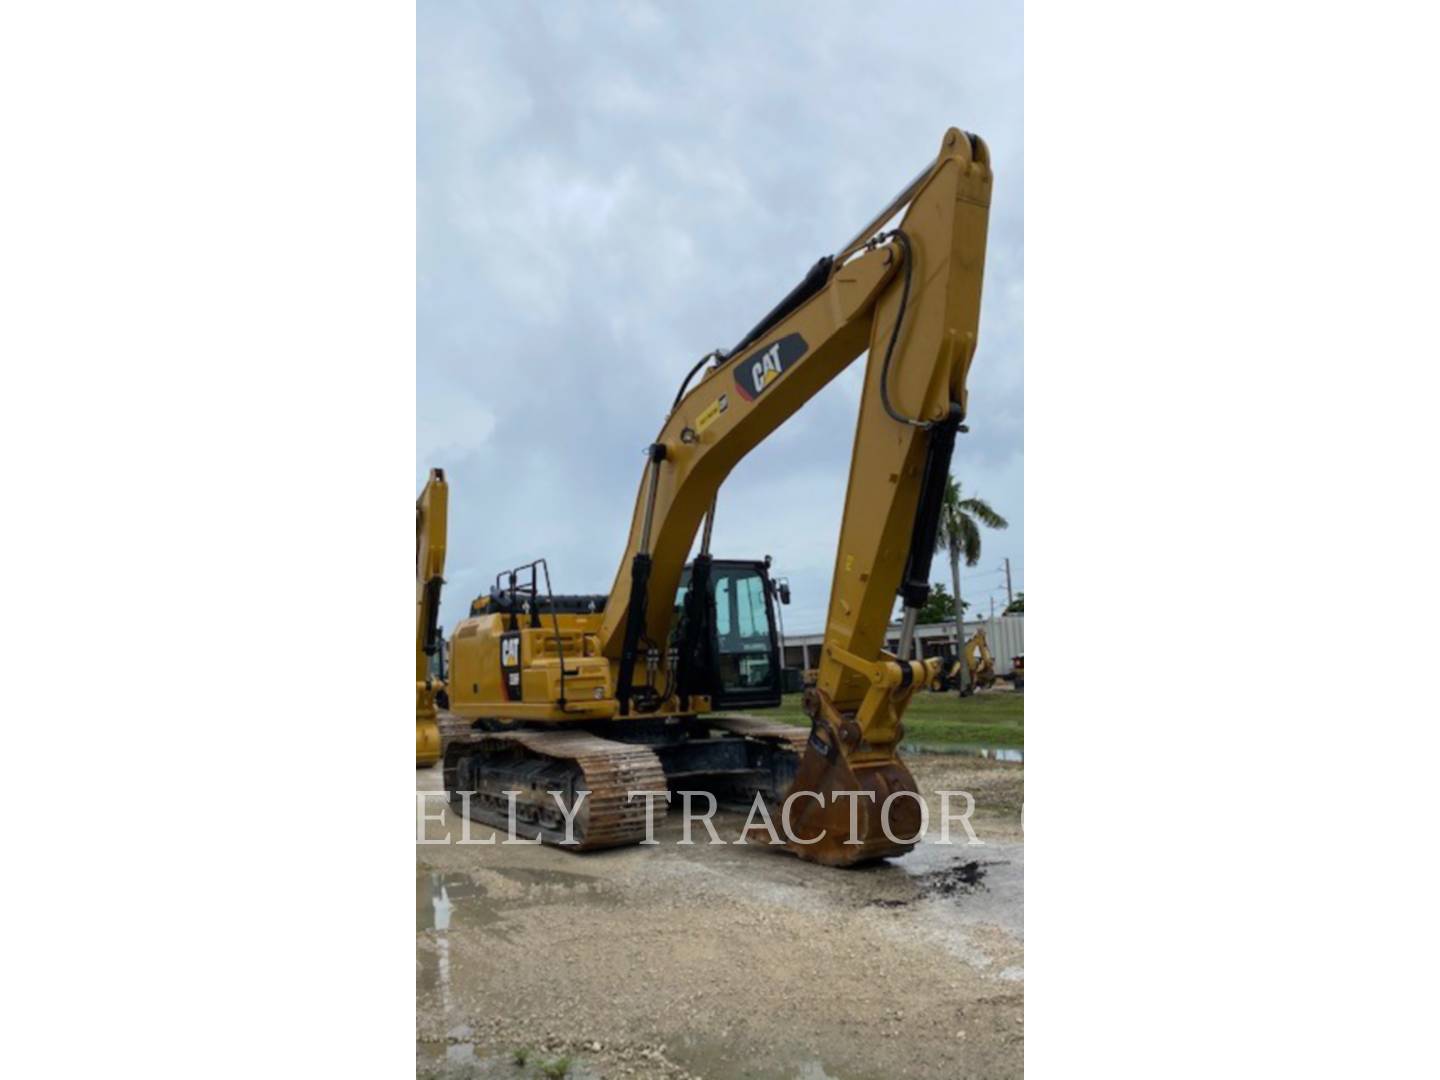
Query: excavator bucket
(841,818)
(853,800)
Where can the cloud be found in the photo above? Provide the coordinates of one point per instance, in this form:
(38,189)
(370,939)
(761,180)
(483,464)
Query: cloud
(451,424)
(606,192)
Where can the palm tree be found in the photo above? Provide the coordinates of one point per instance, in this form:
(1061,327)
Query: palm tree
(959,535)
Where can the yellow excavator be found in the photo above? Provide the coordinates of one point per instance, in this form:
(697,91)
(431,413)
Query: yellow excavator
(974,670)
(430,528)
(607,698)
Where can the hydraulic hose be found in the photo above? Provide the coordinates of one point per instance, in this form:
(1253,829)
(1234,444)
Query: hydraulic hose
(904,241)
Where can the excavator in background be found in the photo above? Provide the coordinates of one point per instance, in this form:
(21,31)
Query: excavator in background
(614,699)
(973,670)
(430,527)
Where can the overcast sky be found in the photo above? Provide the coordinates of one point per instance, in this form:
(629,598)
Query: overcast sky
(607,191)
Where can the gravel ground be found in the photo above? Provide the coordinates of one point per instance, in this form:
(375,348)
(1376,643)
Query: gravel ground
(726,961)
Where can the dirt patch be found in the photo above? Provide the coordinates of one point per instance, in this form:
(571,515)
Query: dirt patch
(675,962)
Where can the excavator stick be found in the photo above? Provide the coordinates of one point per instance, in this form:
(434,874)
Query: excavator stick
(922,340)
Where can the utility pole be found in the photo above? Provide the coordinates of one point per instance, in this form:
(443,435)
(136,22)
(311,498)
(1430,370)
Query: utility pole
(1009,596)
(992,608)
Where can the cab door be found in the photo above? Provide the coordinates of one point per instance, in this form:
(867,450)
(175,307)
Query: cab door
(745,650)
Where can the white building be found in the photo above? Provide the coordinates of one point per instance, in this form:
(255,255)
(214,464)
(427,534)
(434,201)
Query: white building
(1004,633)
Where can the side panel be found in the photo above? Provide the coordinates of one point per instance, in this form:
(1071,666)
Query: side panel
(503,674)
(475,663)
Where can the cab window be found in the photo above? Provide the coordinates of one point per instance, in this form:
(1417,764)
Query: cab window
(742,630)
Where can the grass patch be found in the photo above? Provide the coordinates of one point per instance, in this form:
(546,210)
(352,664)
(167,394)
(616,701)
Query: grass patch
(557,1069)
(942,719)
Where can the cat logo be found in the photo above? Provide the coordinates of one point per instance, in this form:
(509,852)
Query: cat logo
(767,369)
(510,666)
(761,368)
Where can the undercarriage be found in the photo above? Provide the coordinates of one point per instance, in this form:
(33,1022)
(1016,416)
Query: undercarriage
(733,757)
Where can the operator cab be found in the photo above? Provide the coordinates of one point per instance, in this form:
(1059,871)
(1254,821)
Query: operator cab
(726,639)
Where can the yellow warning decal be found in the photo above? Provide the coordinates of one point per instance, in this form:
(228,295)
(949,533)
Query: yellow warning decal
(712,412)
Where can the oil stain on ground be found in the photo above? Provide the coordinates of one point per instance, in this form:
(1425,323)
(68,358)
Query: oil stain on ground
(960,879)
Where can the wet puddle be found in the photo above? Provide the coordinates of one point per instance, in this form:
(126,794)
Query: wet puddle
(438,897)
(1014,754)
(445,897)
(709,1056)
(452,900)
(458,1060)
(548,879)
